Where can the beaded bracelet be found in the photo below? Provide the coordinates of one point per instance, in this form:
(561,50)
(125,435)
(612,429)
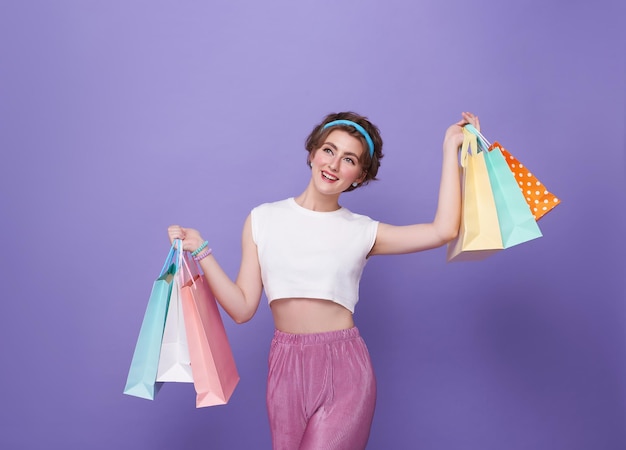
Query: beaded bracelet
(203,255)
(199,249)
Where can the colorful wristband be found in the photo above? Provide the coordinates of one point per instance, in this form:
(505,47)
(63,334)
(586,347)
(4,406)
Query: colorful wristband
(203,255)
(199,249)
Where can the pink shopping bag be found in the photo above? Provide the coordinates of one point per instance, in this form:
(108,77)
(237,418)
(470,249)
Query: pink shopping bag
(215,374)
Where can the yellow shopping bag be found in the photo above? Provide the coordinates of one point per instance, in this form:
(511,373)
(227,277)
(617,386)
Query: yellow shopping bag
(479,235)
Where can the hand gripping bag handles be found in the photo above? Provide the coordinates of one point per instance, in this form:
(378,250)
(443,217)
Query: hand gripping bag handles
(215,374)
(479,234)
(141,380)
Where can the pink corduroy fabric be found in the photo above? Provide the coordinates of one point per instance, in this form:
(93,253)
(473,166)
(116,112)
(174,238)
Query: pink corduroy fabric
(321,391)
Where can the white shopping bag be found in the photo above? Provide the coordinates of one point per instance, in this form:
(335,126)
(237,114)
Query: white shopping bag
(174,361)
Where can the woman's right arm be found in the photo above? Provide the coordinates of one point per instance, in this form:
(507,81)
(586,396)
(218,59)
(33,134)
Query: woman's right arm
(240,299)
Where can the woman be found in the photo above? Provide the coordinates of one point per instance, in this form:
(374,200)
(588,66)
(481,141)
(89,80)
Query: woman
(308,254)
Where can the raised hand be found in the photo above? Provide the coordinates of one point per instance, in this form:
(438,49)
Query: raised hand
(191,238)
(454,134)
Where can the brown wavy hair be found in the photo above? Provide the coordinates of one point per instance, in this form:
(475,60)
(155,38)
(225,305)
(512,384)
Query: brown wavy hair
(369,163)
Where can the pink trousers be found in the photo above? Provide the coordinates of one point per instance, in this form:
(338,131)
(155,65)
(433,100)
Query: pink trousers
(321,391)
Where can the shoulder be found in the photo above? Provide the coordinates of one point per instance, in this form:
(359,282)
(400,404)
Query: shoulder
(361,225)
(264,214)
(357,218)
(268,208)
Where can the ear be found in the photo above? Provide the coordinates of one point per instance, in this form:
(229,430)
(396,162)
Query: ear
(362,177)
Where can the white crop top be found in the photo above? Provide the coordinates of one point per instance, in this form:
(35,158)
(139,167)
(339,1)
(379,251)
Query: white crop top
(311,254)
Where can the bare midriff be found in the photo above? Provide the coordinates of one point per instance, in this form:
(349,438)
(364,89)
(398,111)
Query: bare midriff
(308,315)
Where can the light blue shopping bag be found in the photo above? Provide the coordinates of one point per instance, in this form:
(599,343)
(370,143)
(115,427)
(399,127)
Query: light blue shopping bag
(141,380)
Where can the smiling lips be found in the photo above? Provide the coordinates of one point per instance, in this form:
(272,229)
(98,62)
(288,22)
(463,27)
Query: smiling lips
(328,176)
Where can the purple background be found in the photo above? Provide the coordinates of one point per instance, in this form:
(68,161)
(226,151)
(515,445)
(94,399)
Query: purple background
(120,118)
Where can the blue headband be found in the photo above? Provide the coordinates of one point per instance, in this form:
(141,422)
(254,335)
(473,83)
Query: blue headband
(358,127)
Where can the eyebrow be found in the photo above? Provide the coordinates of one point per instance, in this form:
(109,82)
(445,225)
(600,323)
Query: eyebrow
(346,153)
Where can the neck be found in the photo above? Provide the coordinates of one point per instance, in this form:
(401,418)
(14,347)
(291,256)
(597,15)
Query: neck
(313,200)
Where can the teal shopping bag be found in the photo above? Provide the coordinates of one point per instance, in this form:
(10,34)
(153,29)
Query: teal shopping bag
(517,223)
(141,380)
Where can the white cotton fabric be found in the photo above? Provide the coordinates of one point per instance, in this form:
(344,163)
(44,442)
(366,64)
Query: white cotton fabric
(311,254)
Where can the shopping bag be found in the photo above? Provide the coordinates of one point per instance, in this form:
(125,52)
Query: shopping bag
(539,199)
(174,362)
(215,374)
(141,380)
(479,233)
(517,224)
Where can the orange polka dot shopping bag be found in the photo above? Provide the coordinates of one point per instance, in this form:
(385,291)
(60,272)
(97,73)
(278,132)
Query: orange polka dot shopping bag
(539,199)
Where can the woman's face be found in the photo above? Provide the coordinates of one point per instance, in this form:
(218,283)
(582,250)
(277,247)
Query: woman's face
(335,165)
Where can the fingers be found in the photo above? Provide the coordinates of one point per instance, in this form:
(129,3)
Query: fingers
(190,237)
(175,232)
(454,135)
(469,117)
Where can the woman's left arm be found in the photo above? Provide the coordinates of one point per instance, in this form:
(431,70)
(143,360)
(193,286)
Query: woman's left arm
(392,239)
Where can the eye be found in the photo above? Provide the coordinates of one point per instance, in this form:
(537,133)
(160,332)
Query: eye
(328,150)
(350,160)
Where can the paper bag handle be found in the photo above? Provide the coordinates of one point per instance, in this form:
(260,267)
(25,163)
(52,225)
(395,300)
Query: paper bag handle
(182,264)
(482,141)
(469,142)
(170,257)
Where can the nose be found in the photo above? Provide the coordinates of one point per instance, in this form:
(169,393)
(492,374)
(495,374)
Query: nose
(333,164)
